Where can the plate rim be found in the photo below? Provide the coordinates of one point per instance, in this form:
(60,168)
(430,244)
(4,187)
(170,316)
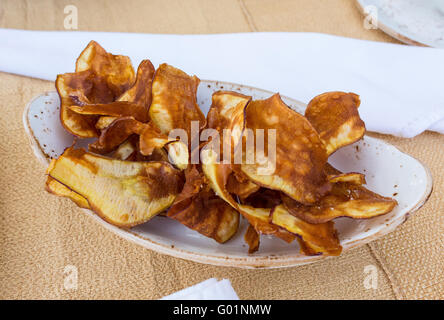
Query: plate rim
(392,32)
(248,262)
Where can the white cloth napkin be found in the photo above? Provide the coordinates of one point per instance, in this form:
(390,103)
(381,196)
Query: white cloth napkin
(210,289)
(401,87)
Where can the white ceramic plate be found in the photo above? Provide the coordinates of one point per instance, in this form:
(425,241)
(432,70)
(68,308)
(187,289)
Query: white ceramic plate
(416,22)
(389,172)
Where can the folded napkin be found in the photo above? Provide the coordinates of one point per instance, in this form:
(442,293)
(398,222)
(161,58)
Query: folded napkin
(210,289)
(401,87)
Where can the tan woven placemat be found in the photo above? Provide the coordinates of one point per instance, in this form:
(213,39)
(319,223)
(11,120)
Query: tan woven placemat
(40,234)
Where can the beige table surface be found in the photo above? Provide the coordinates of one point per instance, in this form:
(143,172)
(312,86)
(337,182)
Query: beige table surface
(41,234)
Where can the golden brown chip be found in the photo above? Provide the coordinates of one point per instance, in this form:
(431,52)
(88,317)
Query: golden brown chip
(126,151)
(347,198)
(208,215)
(75,85)
(334,176)
(157,155)
(178,154)
(114,109)
(100,78)
(198,208)
(242,189)
(121,129)
(141,92)
(134,102)
(351,177)
(259,218)
(174,104)
(104,122)
(297,165)
(227,113)
(252,238)
(124,193)
(335,117)
(305,248)
(115,134)
(151,138)
(116,70)
(58,189)
(263,198)
(320,238)
(149,145)
(344,200)
(217,175)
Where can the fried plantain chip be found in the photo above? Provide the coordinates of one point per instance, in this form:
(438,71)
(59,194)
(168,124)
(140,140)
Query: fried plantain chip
(227,113)
(134,102)
(123,193)
(346,199)
(259,218)
(58,189)
(242,189)
(209,215)
(178,154)
(297,165)
(335,117)
(141,92)
(351,177)
(126,151)
(121,129)
(151,138)
(194,181)
(198,208)
(334,176)
(263,198)
(252,238)
(305,248)
(75,84)
(174,104)
(227,116)
(104,122)
(114,109)
(217,175)
(100,78)
(319,238)
(157,155)
(115,134)
(116,70)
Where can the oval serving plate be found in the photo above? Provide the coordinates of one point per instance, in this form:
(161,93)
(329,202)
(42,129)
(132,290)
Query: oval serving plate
(388,171)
